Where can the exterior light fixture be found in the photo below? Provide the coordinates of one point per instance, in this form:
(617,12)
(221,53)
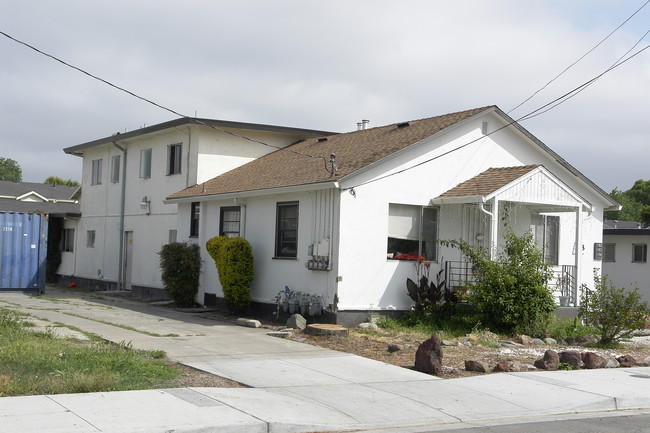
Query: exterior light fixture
(479,237)
(145,204)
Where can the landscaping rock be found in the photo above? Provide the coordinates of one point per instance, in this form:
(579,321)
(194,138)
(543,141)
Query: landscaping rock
(626,361)
(395,347)
(450,343)
(325,329)
(537,342)
(368,326)
(467,343)
(524,339)
(428,358)
(296,321)
(249,323)
(550,361)
(571,357)
(280,334)
(593,360)
(550,341)
(586,340)
(516,366)
(502,366)
(611,362)
(478,366)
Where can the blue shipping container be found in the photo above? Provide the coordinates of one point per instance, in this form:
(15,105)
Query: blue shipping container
(23,251)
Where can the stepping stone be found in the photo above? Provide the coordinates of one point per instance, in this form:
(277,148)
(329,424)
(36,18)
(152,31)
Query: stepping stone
(325,329)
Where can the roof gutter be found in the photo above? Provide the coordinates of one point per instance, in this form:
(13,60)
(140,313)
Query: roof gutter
(254,193)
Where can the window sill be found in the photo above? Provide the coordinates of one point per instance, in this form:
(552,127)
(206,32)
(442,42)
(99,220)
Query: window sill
(284,258)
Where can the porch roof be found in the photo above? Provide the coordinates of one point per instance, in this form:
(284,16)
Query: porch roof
(525,184)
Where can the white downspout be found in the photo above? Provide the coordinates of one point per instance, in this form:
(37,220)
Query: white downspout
(493,225)
(120,261)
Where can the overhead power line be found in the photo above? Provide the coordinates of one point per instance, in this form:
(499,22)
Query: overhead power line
(579,59)
(163,107)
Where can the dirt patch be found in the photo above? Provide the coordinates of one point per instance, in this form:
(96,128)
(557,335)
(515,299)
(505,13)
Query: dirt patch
(191,377)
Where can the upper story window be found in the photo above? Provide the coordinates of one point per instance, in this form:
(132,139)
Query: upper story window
(639,253)
(90,239)
(174,158)
(145,163)
(286,230)
(609,252)
(229,221)
(115,168)
(412,232)
(96,172)
(194,219)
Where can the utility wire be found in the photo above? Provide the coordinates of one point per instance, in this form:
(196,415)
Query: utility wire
(149,101)
(534,113)
(582,57)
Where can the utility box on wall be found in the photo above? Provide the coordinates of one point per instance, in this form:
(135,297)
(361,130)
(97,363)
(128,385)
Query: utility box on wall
(23,251)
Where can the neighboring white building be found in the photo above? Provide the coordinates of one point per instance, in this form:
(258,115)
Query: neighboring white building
(125,179)
(335,216)
(624,252)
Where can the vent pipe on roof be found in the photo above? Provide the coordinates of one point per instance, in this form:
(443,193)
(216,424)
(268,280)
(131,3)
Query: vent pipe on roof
(365,123)
(359,126)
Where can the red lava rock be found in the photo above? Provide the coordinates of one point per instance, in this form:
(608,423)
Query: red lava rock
(478,366)
(550,361)
(626,361)
(571,357)
(428,358)
(502,366)
(593,360)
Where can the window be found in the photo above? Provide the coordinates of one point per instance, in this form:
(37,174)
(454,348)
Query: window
(96,173)
(194,219)
(174,159)
(546,229)
(609,252)
(90,239)
(67,240)
(286,230)
(115,168)
(639,253)
(412,232)
(172,236)
(229,221)
(145,163)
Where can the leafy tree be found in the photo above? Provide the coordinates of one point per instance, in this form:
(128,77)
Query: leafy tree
(635,202)
(511,292)
(614,311)
(640,191)
(10,170)
(54,180)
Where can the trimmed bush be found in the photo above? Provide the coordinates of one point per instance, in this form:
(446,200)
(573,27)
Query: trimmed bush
(181,266)
(235,264)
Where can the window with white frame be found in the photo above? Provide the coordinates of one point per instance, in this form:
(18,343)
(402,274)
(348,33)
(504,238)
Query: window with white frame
(229,221)
(412,232)
(96,172)
(145,163)
(67,240)
(172,236)
(115,168)
(174,159)
(90,239)
(286,230)
(639,253)
(609,252)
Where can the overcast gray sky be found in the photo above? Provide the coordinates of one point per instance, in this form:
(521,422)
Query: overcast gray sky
(324,65)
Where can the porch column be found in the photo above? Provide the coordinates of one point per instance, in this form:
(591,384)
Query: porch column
(578,257)
(494,229)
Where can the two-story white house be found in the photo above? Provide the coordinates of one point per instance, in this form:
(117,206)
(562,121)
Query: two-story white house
(126,177)
(341,217)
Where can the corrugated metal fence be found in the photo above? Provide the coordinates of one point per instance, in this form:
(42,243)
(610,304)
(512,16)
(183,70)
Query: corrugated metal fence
(23,251)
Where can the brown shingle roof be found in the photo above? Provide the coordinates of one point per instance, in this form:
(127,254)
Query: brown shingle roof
(353,150)
(488,182)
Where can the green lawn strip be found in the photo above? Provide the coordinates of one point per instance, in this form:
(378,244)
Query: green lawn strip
(39,363)
(127,327)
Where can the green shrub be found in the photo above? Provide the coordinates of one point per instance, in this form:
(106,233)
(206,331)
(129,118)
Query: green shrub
(181,266)
(568,328)
(615,312)
(511,292)
(235,264)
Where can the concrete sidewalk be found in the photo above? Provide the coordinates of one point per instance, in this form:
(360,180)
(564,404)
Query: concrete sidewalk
(296,387)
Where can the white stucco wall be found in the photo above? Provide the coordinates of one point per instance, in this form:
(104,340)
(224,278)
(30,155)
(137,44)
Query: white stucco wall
(623,272)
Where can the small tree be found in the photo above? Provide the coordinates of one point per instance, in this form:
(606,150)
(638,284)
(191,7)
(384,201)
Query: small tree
(54,180)
(181,266)
(235,264)
(614,311)
(10,170)
(511,292)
